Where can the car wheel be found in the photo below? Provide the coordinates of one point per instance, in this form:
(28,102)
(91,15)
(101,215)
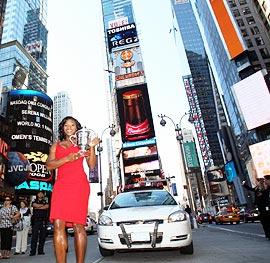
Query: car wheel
(105,252)
(187,250)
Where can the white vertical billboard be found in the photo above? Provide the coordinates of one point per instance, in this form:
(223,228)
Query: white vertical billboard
(253,98)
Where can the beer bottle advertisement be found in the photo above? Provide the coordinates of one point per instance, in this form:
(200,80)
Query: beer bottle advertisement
(135,114)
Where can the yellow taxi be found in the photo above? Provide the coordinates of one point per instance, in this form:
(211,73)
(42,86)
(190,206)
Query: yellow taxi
(227,217)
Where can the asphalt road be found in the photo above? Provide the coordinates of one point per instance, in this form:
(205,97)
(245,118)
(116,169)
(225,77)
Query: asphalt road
(212,243)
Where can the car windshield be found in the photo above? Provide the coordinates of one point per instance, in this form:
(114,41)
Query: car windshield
(145,198)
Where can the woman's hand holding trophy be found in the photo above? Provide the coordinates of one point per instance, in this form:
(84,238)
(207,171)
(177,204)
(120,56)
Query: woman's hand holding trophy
(85,139)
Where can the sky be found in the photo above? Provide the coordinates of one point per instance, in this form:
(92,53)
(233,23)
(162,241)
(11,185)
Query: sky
(76,63)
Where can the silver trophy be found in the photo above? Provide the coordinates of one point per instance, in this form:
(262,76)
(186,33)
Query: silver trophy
(82,138)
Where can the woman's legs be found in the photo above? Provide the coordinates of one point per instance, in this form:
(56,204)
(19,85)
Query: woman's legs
(80,242)
(60,240)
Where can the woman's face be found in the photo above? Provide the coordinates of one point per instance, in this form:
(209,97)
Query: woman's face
(22,204)
(70,127)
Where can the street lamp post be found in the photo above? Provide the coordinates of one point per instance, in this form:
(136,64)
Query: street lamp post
(99,150)
(179,138)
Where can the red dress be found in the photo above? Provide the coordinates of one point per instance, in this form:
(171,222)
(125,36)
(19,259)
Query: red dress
(71,190)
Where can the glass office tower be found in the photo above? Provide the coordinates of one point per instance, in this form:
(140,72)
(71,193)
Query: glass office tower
(23,52)
(204,85)
(2,13)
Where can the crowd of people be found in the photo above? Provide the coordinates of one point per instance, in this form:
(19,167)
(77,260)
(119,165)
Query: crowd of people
(20,219)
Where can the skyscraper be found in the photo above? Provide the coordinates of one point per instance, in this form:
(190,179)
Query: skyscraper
(201,89)
(62,107)
(24,44)
(2,13)
(253,30)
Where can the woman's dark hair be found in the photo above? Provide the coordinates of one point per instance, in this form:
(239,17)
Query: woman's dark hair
(25,202)
(61,126)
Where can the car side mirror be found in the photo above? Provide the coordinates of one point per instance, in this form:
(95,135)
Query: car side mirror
(106,207)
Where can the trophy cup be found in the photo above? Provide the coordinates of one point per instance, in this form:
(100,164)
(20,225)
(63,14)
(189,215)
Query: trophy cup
(81,138)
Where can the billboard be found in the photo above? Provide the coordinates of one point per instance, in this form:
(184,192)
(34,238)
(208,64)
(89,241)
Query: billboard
(231,38)
(29,113)
(191,155)
(141,164)
(217,183)
(128,67)
(93,173)
(135,113)
(260,153)
(118,22)
(230,171)
(253,98)
(122,36)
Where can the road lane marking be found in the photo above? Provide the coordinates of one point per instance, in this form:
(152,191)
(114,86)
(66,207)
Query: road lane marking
(237,231)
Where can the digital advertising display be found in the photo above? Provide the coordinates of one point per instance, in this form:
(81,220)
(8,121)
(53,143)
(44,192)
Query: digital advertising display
(217,183)
(141,164)
(135,113)
(191,155)
(128,67)
(29,113)
(122,36)
(259,151)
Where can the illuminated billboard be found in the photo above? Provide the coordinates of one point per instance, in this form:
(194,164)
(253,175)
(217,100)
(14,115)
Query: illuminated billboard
(217,183)
(128,67)
(135,113)
(122,36)
(253,98)
(118,22)
(29,113)
(232,40)
(260,153)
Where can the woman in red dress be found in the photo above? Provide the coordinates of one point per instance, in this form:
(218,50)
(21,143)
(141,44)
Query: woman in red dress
(69,203)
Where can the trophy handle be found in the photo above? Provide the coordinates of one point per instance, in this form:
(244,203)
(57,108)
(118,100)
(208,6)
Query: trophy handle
(72,137)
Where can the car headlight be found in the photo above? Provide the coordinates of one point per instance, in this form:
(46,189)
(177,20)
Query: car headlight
(177,216)
(105,221)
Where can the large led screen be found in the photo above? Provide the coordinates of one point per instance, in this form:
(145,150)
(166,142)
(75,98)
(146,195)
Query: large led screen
(128,67)
(141,164)
(231,37)
(122,36)
(135,113)
(253,97)
(260,153)
(217,183)
(30,116)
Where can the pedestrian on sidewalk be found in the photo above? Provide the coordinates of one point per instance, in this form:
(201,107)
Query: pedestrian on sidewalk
(22,235)
(39,224)
(261,191)
(69,203)
(8,214)
(266,214)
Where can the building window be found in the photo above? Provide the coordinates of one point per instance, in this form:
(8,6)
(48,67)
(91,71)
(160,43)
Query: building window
(259,41)
(250,20)
(255,30)
(236,13)
(244,32)
(253,56)
(249,43)
(232,3)
(264,53)
(240,22)
(246,11)
(242,2)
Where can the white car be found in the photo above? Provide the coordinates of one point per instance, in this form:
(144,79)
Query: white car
(144,219)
